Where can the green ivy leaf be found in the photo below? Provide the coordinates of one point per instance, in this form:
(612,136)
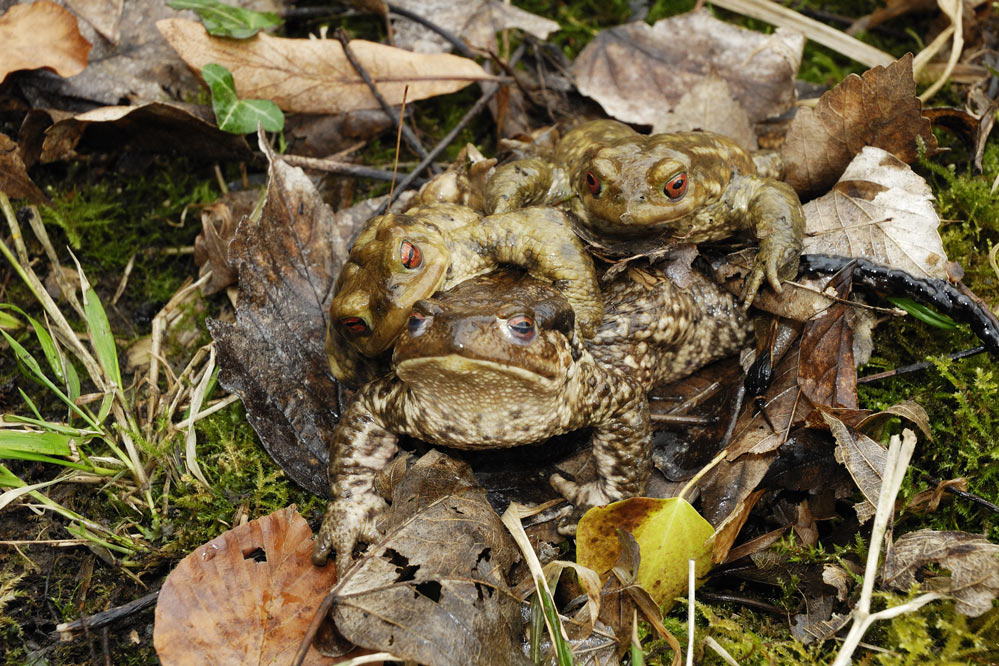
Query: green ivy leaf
(923,313)
(234,115)
(224,21)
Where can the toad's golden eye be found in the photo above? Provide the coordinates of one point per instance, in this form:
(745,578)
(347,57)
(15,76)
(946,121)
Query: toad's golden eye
(592,183)
(410,255)
(676,187)
(355,326)
(522,327)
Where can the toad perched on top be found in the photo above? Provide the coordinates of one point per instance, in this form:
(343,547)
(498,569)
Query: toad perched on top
(688,187)
(398,259)
(494,363)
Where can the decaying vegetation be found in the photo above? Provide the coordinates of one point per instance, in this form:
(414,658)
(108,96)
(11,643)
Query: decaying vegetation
(126,311)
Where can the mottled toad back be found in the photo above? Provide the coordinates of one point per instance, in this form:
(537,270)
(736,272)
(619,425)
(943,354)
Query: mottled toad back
(496,362)
(689,187)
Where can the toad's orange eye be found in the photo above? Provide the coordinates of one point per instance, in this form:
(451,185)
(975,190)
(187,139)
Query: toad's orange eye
(354,325)
(410,255)
(676,187)
(522,327)
(592,183)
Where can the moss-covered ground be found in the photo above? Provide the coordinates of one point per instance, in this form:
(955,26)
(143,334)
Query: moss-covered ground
(107,215)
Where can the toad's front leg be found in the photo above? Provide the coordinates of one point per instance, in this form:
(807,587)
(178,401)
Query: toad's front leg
(362,446)
(622,452)
(778,221)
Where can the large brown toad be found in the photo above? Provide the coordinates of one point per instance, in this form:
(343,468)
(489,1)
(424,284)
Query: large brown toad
(643,191)
(398,259)
(495,363)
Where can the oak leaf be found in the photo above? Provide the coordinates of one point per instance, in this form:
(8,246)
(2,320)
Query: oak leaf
(877,109)
(246,597)
(41,35)
(314,75)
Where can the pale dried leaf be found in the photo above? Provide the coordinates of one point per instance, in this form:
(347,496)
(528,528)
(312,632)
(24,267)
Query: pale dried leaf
(838,577)
(882,211)
(104,15)
(246,597)
(910,410)
(41,35)
(314,75)
(638,72)
(709,106)
(864,459)
(879,109)
(474,21)
(973,562)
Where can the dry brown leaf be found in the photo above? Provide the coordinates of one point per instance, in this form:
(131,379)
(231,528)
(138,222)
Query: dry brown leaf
(246,597)
(104,15)
(864,459)
(709,106)
(155,127)
(41,35)
(474,21)
(434,589)
(882,211)
(827,372)
(218,226)
(879,109)
(783,407)
(972,559)
(313,75)
(638,72)
(726,533)
(910,409)
(14,179)
(730,483)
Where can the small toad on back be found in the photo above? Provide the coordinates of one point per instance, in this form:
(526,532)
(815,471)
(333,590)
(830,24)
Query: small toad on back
(690,187)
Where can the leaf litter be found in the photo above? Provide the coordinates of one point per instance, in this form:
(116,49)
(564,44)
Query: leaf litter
(812,381)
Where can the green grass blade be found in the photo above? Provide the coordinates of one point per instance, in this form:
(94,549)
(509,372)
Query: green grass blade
(100,335)
(43,443)
(9,322)
(29,362)
(30,403)
(563,651)
(80,434)
(923,313)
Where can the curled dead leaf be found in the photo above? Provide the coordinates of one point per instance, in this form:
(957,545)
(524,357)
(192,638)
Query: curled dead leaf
(314,75)
(877,109)
(973,562)
(474,21)
(14,179)
(41,35)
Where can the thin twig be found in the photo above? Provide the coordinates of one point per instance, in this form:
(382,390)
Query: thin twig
(915,367)
(444,143)
(398,123)
(336,166)
(398,137)
(452,39)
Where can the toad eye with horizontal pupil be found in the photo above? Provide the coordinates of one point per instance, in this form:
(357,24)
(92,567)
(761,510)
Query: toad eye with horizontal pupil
(522,327)
(676,187)
(417,324)
(592,183)
(354,325)
(410,255)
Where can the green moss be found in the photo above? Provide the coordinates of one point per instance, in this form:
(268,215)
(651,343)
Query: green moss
(241,475)
(108,216)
